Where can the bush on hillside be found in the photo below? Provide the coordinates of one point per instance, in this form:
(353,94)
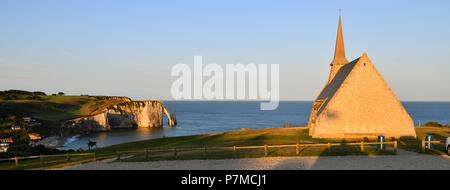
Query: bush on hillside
(9,97)
(433,124)
(20,137)
(33,97)
(6,120)
(14,94)
(18,92)
(38,93)
(37,150)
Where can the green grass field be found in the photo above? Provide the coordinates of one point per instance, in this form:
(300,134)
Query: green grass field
(237,138)
(50,108)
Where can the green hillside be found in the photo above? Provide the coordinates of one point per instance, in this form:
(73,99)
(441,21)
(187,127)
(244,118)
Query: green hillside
(49,110)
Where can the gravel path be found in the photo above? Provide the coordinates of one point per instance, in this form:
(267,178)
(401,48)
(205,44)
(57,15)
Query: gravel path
(403,161)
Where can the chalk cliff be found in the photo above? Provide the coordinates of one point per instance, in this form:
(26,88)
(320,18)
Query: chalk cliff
(128,114)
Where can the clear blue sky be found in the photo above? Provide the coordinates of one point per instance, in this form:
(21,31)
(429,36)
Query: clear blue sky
(128,47)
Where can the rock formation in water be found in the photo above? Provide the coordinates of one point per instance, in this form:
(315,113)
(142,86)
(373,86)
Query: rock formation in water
(127,114)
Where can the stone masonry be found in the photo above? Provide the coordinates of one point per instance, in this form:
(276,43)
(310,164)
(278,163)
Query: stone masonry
(356,102)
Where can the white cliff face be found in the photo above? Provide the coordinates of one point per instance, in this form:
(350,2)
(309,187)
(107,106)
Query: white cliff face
(129,114)
(97,122)
(136,114)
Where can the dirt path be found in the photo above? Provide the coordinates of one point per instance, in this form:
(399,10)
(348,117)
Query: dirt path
(405,160)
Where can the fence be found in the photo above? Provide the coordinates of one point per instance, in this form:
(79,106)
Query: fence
(205,149)
(425,149)
(265,147)
(42,157)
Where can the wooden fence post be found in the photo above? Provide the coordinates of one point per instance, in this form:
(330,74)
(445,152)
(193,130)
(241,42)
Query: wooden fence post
(95,157)
(362,146)
(68,157)
(297,149)
(234,151)
(175,153)
(42,159)
(146,154)
(118,155)
(265,150)
(395,146)
(204,153)
(329,147)
(16,160)
(423,146)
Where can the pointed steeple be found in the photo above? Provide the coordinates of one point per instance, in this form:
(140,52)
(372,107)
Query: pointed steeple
(339,52)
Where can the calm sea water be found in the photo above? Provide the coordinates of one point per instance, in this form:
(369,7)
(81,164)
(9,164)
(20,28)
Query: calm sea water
(200,117)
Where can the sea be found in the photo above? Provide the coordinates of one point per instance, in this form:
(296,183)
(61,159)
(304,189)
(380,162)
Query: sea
(203,117)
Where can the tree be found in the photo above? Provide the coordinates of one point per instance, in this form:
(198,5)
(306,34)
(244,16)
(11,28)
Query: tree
(10,97)
(60,93)
(20,137)
(433,124)
(91,144)
(38,93)
(33,97)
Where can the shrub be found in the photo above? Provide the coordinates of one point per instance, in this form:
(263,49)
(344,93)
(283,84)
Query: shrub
(36,150)
(433,124)
(6,120)
(39,93)
(19,137)
(91,144)
(33,97)
(9,97)
(18,92)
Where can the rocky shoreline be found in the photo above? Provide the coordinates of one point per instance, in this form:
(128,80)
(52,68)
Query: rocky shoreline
(53,141)
(129,114)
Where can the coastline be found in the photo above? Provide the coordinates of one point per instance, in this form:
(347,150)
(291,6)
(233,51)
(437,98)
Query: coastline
(54,141)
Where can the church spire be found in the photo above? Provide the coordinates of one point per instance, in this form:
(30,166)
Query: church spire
(339,52)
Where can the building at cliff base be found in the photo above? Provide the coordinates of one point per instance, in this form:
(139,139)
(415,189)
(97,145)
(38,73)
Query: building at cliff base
(356,102)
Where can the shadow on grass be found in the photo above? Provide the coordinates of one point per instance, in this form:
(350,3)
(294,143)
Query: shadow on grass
(322,153)
(52,162)
(415,144)
(211,153)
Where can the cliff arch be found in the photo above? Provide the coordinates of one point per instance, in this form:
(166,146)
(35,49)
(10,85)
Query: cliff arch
(170,116)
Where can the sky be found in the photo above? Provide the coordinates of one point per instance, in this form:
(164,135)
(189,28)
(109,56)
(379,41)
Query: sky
(127,48)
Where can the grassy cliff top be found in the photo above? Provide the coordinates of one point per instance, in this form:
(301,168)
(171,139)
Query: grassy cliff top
(54,108)
(48,110)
